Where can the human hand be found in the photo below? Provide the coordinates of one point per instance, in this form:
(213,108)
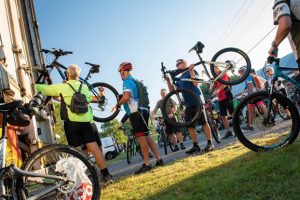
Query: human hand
(116,107)
(273,52)
(191,67)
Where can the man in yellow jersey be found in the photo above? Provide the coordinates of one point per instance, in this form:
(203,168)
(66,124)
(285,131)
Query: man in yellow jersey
(79,128)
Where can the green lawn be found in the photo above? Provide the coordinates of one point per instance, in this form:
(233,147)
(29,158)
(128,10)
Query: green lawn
(230,173)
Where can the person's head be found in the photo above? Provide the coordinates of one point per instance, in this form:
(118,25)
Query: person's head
(181,64)
(124,69)
(217,69)
(242,70)
(269,71)
(163,93)
(73,72)
(252,71)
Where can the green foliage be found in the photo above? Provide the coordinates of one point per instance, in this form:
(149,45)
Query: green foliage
(205,90)
(59,126)
(111,128)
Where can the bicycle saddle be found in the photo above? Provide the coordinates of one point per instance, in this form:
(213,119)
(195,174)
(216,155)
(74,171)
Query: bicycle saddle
(92,65)
(10,106)
(198,47)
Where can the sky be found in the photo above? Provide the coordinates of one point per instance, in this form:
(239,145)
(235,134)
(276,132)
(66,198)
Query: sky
(147,33)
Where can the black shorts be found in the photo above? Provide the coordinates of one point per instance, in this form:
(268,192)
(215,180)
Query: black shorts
(190,112)
(80,133)
(225,105)
(170,129)
(139,122)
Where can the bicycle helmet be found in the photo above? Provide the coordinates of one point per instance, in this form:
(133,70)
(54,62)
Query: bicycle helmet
(243,69)
(125,66)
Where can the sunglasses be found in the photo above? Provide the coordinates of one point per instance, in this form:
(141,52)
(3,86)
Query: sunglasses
(178,64)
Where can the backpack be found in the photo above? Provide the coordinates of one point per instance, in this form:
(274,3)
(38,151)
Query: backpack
(293,16)
(79,104)
(142,94)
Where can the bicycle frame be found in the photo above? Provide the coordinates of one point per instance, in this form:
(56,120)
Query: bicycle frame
(12,170)
(59,68)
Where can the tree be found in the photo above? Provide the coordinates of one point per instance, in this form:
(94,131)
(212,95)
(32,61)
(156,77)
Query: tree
(58,128)
(111,128)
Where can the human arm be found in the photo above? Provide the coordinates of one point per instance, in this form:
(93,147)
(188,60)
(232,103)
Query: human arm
(193,74)
(283,19)
(53,90)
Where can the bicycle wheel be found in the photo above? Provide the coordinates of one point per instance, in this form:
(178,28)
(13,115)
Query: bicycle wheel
(58,160)
(269,131)
(130,150)
(214,128)
(164,140)
(281,111)
(108,97)
(178,96)
(234,59)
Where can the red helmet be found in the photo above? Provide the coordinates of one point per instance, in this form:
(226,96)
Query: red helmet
(125,66)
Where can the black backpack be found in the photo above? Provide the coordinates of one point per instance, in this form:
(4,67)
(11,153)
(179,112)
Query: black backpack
(79,104)
(142,94)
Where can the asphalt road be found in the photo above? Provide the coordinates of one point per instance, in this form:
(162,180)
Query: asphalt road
(122,168)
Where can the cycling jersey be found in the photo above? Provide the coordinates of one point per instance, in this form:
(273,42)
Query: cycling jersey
(222,94)
(129,85)
(248,80)
(189,86)
(290,8)
(67,93)
(170,104)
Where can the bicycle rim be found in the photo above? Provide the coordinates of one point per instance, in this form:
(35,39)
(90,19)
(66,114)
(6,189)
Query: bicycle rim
(107,97)
(63,161)
(179,96)
(234,58)
(270,131)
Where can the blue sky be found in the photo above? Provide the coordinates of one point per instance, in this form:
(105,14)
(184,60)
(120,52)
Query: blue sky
(149,32)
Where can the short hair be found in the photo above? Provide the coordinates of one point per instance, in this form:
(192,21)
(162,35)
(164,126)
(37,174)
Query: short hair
(252,71)
(74,72)
(163,90)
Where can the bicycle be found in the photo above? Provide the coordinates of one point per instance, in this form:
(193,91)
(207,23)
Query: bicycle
(220,59)
(52,172)
(106,94)
(132,148)
(274,131)
(214,127)
(165,138)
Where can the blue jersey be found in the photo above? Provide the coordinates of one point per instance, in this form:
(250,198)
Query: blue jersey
(129,85)
(189,86)
(248,80)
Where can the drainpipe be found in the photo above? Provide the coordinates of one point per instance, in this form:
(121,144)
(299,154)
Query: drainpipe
(17,51)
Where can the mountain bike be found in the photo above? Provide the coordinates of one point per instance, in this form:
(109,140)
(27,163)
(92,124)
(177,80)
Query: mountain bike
(229,59)
(270,130)
(164,137)
(132,148)
(106,94)
(213,126)
(52,172)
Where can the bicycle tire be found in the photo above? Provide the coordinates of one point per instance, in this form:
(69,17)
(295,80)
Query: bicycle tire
(179,118)
(58,148)
(129,150)
(293,133)
(214,128)
(164,140)
(281,111)
(170,144)
(243,55)
(99,109)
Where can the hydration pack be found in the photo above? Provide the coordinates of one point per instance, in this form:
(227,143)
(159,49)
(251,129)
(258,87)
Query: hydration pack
(142,94)
(79,104)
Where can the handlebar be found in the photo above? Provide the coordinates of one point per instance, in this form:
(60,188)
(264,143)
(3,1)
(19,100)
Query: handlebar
(175,72)
(57,52)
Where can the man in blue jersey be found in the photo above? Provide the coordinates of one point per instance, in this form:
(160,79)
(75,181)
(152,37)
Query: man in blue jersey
(191,107)
(138,117)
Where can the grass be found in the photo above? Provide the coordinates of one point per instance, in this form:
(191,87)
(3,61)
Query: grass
(230,173)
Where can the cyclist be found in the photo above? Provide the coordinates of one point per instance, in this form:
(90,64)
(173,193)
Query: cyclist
(79,128)
(250,87)
(189,112)
(171,130)
(225,99)
(286,14)
(138,117)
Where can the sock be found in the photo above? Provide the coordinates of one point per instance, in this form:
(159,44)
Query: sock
(195,144)
(208,141)
(104,171)
(181,144)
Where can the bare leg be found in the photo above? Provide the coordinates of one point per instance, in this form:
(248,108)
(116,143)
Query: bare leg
(225,122)
(145,149)
(179,136)
(207,131)
(97,153)
(153,147)
(193,134)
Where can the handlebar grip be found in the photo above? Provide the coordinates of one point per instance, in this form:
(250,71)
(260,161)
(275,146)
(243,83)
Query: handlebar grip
(45,51)
(68,52)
